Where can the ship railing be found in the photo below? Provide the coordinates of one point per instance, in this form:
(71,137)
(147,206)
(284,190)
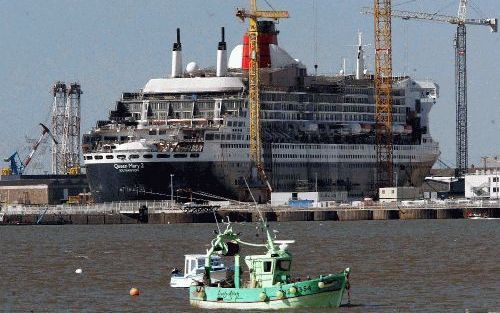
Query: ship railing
(422,204)
(125,207)
(166,206)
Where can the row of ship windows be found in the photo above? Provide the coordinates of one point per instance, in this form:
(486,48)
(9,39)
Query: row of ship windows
(178,105)
(322,167)
(335,108)
(319,147)
(335,147)
(235,124)
(234,146)
(145,156)
(341,156)
(349,93)
(210,136)
(364,117)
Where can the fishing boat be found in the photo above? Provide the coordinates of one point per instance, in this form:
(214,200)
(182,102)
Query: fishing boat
(194,267)
(270,284)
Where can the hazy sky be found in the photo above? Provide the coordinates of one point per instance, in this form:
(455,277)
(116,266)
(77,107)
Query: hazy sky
(115,46)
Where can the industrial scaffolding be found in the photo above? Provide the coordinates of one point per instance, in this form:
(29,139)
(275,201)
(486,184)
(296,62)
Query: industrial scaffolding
(66,128)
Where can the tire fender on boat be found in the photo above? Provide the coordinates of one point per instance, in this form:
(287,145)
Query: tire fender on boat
(200,292)
(263,296)
(293,290)
(280,294)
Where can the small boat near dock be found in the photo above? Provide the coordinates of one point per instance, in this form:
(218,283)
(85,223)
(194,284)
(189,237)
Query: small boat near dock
(194,268)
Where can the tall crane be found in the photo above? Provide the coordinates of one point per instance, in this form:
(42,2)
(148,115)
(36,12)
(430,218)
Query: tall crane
(253,80)
(460,68)
(383,92)
(16,165)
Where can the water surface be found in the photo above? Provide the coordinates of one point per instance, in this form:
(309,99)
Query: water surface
(397,266)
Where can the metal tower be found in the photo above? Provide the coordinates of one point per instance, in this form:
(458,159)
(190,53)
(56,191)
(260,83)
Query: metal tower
(59,92)
(460,68)
(253,80)
(461,100)
(70,144)
(66,128)
(383,92)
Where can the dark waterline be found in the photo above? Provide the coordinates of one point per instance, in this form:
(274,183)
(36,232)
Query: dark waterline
(397,266)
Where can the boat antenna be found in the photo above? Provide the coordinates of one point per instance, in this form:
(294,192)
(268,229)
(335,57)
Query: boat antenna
(254,202)
(216,221)
(265,228)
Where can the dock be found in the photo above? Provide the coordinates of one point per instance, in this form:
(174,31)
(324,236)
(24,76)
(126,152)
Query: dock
(166,212)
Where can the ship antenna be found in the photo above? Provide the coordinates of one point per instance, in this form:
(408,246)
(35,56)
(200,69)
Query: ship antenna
(315,8)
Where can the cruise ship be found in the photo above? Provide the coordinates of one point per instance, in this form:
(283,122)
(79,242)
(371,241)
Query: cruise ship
(189,133)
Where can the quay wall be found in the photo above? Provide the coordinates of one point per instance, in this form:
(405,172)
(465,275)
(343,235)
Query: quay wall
(244,214)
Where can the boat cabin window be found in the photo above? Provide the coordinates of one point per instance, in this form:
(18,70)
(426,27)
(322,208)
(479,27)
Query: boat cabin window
(267,266)
(134,156)
(147,156)
(283,265)
(162,156)
(193,265)
(121,156)
(98,157)
(109,156)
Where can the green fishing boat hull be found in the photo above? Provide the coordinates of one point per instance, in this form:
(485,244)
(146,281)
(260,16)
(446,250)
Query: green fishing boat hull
(322,292)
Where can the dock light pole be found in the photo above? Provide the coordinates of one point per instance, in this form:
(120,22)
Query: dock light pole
(172,187)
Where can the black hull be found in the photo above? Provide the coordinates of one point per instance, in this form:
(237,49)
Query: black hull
(151,180)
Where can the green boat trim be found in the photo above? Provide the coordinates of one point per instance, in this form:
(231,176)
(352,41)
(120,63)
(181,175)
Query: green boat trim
(270,284)
(323,292)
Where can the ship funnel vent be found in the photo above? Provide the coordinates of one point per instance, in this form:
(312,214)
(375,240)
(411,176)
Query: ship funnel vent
(222,56)
(177,56)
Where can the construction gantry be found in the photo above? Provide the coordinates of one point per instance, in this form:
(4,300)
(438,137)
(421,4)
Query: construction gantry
(253,80)
(460,68)
(383,92)
(66,128)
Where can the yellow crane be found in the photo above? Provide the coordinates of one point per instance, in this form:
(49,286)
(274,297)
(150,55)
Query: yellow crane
(253,80)
(460,67)
(383,92)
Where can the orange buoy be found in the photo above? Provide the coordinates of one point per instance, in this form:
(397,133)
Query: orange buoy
(134,292)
